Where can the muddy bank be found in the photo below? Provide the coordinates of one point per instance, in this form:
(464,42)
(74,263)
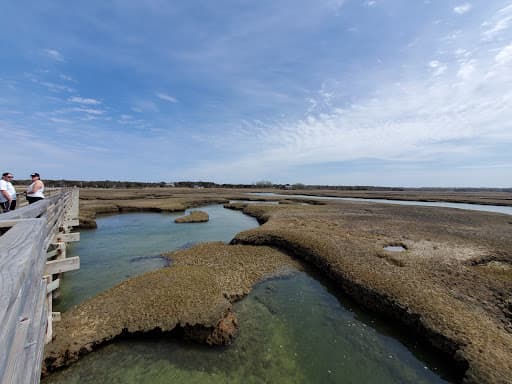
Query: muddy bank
(194,217)
(450,285)
(193,296)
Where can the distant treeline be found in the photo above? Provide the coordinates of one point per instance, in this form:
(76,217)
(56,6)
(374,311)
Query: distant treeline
(258,184)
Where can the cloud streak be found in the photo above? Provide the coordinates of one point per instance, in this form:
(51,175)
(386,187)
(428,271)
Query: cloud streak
(463,8)
(84,101)
(166,97)
(53,54)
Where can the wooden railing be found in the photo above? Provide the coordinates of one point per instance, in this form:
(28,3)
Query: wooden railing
(32,255)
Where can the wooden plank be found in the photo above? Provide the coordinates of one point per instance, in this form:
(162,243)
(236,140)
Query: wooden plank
(17,247)
(52,253)
(64,265)
(15,353)
(27,340)
(71,223)
(34,344)
(55,218)
(8,329)
(49,308)
(67,237)
(8,223)
(17,271)
(11,223)
(52,285)
(74,204)
(59,249)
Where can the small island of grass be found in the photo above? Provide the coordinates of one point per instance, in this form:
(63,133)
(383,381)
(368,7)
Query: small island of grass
(193,217)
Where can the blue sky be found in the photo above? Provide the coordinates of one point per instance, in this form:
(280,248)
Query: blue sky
(340,92)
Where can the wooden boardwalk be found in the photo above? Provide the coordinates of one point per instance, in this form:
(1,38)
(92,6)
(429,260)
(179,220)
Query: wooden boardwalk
(32,257)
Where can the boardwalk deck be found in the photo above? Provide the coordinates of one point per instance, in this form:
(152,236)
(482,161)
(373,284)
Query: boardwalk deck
(25,276)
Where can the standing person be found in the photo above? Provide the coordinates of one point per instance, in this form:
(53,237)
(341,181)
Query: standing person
(7,193)
(36,189)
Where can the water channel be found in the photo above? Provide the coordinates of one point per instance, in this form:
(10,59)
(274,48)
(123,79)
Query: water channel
(472,207)
(297,329)
(130,244)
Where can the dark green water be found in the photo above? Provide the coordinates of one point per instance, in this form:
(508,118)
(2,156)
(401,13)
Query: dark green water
(296,329)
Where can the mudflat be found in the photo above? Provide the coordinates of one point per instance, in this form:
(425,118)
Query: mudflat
(451,285)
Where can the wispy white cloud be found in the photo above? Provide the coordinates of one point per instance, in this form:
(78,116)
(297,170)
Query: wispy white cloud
(66,77)
(438,68)
(457,111)
(142,106)
(462,8)
(466,70)
(499,23)
(166,97)
(89,111)
(58,120)
(335,4)
(53,87)
(53,54)
(504,56)
(84,101)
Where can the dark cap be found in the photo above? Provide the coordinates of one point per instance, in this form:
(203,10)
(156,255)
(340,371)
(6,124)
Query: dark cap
(34,174)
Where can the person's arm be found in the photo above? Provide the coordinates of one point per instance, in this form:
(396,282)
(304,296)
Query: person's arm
(6,195)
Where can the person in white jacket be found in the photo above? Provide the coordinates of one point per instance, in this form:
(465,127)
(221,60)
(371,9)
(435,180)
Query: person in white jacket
(7,193)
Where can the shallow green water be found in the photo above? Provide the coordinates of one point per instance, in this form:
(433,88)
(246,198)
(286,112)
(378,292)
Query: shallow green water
(293,330)
(129,244)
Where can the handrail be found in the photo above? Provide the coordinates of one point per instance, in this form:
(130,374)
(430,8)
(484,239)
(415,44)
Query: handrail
(25,304)
(30,211)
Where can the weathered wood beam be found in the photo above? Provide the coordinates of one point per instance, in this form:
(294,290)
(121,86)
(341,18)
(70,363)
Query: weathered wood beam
(67,237)
(59,249)
(71,222)
(52,285)
(30,211)
(64,265)
(52,253)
